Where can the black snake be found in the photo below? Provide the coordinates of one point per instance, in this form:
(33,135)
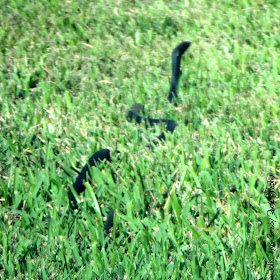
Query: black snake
(133,114)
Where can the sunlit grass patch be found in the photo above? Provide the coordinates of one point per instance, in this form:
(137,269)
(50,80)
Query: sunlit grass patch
(194,207)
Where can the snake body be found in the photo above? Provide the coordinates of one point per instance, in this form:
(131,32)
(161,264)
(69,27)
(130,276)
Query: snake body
(133,114)
(176,70)
(79,182)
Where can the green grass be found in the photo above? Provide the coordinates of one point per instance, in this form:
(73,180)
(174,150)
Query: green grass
(195,207)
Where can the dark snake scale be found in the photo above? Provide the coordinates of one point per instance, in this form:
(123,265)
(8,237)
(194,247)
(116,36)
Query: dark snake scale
(134,114)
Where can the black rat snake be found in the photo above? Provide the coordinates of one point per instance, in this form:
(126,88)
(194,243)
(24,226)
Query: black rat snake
(134,114)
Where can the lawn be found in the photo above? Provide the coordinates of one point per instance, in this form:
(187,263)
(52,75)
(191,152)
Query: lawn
(193,207)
